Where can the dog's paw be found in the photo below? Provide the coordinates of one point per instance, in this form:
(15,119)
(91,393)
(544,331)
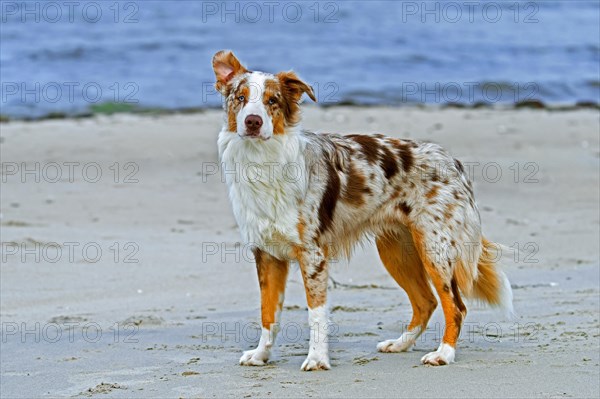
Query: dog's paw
(316,362)
(402,344)
(255,357)
(441,357)
(395,345)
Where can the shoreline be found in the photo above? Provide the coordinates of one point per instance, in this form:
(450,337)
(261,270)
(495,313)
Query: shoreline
(121,108)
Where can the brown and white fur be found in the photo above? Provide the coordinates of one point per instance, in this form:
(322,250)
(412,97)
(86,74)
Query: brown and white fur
(412,197)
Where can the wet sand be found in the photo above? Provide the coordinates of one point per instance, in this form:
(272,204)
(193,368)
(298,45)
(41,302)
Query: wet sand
(132,283)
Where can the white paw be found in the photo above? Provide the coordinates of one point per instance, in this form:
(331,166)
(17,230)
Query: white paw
(402,344)
(443,356)
(395,345)
(255,357)
(316,362)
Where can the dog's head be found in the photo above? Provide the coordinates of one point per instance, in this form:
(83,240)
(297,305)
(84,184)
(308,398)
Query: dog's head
(258,105)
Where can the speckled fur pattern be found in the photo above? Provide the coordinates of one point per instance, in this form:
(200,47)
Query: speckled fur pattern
(413,198)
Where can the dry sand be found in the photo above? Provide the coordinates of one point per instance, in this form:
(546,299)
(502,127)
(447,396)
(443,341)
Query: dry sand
(192,310)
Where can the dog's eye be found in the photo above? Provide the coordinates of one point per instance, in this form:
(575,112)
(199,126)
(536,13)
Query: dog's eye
(272,101)
(241,98)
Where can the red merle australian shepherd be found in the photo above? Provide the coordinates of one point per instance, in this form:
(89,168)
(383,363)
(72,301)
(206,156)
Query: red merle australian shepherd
(425,223)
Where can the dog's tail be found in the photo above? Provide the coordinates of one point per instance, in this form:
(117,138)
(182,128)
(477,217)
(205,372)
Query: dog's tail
(489,283)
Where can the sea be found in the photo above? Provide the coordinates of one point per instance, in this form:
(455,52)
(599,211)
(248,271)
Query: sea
(76,57)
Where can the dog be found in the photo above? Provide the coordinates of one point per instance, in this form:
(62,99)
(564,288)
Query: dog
(413,198)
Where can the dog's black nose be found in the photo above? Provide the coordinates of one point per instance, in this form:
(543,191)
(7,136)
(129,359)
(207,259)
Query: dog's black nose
(253,122)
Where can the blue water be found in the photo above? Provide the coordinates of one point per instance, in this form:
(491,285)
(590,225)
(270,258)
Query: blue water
(158,53)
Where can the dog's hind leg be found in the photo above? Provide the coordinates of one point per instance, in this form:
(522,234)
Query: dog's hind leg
(401,259)
(440,265)
(272,276)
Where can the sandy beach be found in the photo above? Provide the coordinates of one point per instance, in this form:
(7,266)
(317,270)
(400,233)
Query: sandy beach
(122,274)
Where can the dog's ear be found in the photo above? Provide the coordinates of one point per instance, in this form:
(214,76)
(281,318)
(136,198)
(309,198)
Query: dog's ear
(226,66)
(293,87)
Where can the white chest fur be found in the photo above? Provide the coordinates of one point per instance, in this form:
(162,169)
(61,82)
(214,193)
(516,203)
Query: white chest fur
(266,181)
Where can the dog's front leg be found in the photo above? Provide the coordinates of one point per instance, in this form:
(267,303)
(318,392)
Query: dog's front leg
(272,275)
(314,273)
